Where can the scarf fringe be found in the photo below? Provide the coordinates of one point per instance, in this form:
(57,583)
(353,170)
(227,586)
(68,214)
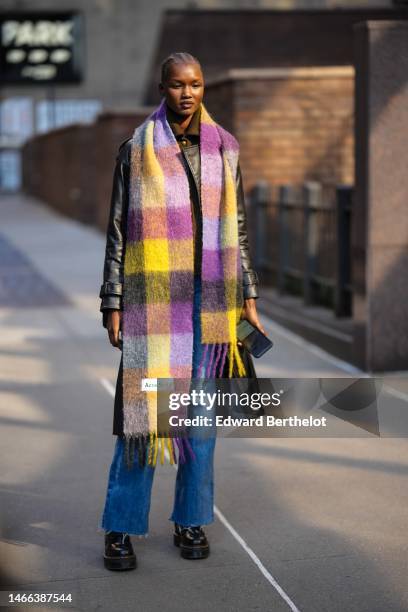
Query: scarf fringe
(218,354)
(152,445)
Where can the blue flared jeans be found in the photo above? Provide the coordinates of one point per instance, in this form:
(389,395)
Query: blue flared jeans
(128,493)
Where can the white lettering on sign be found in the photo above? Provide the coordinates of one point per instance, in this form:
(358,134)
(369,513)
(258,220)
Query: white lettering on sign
(15,56)
(37,56)
(40,73)
(60,56)
(41,33)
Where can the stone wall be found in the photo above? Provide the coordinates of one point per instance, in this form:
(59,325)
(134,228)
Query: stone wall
(72,168)
(293,124)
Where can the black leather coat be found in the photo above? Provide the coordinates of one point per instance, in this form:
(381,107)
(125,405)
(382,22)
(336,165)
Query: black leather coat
(111,289)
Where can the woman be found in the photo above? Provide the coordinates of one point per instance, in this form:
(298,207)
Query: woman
(177,292)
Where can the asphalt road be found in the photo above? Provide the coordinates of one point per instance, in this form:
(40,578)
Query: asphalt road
(311,524)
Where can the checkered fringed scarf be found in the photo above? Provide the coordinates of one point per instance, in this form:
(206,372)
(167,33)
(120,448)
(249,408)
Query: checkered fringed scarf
(158,288)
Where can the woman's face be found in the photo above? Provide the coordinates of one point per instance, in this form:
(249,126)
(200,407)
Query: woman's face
(184,88)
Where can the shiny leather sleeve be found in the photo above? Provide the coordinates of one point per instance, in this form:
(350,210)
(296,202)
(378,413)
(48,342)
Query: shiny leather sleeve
(111,288)
(249,276)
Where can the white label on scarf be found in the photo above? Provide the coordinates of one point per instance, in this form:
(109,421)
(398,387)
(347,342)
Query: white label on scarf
(149,384)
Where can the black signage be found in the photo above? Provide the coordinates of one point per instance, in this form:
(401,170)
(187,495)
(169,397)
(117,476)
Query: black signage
(41,48)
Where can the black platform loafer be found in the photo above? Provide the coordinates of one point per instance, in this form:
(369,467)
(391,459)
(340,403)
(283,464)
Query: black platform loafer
(119,554)
(192,542)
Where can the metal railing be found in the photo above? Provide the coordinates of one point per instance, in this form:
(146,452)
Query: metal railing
(302,242)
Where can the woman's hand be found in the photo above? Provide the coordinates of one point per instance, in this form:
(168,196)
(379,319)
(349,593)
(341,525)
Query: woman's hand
(249,313)
(114,324)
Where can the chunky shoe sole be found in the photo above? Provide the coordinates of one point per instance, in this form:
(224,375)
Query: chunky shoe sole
(191,552)
(125,563)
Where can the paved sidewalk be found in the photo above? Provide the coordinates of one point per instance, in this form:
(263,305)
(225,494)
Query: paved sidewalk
(311,524)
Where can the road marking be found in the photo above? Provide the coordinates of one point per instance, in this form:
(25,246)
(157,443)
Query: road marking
(108,386)
(256,560)
(111,390)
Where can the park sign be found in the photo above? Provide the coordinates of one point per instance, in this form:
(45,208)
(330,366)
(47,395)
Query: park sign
(41,48)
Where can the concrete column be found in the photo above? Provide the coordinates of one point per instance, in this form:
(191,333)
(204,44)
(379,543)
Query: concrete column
(380,210)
